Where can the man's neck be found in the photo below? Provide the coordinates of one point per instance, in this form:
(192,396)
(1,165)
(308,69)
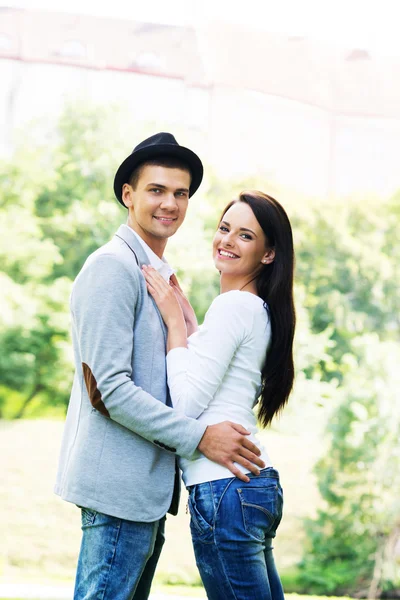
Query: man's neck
(155,244)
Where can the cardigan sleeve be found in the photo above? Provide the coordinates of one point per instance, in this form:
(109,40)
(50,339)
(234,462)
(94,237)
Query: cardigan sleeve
(103,303)
(195,373)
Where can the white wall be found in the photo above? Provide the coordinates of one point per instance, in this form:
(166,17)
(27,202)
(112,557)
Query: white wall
(239,132)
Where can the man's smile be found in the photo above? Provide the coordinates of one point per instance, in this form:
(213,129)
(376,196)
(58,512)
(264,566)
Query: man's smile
(166,220)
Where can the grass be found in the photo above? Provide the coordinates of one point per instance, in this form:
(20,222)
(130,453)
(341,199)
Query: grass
(41,533)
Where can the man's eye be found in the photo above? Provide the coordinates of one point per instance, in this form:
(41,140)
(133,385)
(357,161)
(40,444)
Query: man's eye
(155,190)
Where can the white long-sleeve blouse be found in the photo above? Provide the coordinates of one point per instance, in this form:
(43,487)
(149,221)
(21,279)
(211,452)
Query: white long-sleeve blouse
(218,377)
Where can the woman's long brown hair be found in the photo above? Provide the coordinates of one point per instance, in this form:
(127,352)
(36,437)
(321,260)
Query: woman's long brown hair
(275,287)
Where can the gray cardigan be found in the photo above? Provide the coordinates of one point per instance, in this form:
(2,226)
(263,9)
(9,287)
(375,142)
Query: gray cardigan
(118,454)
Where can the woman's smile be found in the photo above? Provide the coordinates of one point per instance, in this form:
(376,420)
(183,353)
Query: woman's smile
(225,254)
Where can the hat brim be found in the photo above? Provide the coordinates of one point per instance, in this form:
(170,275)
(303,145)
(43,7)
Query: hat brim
(140,156)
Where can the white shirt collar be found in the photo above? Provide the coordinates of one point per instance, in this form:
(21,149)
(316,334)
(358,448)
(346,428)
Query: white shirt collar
(160,264)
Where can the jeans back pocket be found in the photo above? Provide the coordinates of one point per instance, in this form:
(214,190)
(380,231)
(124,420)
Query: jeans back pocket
(261,509)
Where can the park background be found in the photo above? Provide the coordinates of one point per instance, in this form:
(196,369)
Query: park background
(300,100)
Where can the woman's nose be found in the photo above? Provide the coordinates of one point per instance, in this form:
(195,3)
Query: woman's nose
(227,239)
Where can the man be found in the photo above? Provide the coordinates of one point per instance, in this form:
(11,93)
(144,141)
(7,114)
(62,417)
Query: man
(118,458)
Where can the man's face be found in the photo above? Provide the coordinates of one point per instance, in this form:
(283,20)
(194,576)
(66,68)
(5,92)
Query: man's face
(158,204)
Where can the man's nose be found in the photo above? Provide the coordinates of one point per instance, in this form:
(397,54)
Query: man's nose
(169,201)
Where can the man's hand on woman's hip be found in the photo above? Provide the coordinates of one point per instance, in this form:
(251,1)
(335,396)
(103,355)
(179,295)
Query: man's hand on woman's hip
(227,443)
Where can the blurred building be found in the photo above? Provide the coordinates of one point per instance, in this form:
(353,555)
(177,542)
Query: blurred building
(322,119)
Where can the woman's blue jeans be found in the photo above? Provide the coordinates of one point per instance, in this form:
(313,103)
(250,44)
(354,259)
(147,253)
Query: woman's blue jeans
(232,525)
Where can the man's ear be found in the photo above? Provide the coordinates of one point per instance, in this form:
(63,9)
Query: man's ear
(127,195)
(268,257)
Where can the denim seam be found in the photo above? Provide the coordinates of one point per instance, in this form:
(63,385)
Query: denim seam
(213,503)
(112,558)
(264,510)
(248,486)
(223,494)
(266,475)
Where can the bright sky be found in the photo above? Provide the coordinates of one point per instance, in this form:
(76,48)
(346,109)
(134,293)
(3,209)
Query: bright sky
(369,24)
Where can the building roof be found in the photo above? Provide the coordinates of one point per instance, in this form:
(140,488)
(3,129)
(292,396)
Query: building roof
(342,80)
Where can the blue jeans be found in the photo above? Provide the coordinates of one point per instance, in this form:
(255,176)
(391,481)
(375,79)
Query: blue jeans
(118,558)
(232,525)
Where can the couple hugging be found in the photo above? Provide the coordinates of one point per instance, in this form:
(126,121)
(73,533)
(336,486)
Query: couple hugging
(154,393)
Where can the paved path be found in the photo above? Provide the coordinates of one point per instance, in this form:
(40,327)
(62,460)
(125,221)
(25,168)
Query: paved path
(39,592)
(47,592)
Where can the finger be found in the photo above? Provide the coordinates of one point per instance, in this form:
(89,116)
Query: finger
(151,273)
(247,465)
(176,293)
(237,472)
(155,279)
(252,457)
(151,289)
(176,288)
(146,273)
(146,276)
(174,281)
(239,428)
(248,444)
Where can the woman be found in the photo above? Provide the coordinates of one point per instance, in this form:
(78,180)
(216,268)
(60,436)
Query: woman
(241,354)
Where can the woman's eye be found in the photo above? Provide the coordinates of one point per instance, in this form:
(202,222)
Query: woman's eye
(246,236)
(223,228)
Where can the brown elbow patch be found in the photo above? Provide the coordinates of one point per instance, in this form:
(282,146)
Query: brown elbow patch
(93,391)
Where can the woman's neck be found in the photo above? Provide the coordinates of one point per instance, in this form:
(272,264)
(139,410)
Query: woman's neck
(242,284)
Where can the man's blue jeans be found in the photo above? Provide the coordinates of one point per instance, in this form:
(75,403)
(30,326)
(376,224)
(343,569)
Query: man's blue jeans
(118,558)
(232,525)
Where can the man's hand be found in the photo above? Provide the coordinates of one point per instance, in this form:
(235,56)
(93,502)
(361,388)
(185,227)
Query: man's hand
(227,443)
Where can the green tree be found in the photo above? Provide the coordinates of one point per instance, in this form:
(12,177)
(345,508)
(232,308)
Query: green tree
(56,207)
(348,263)
(348,542)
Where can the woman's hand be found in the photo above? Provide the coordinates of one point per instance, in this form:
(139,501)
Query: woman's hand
(187,309)
(164,296)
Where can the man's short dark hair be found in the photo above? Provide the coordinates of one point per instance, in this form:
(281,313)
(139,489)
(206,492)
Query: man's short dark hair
(162,161)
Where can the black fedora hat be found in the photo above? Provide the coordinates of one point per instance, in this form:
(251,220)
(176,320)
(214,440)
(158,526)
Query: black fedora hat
(160,144)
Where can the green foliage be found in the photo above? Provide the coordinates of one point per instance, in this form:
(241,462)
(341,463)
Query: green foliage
(56,207)
(351,542)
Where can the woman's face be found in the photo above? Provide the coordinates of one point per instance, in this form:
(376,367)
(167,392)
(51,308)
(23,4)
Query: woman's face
(240,246)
